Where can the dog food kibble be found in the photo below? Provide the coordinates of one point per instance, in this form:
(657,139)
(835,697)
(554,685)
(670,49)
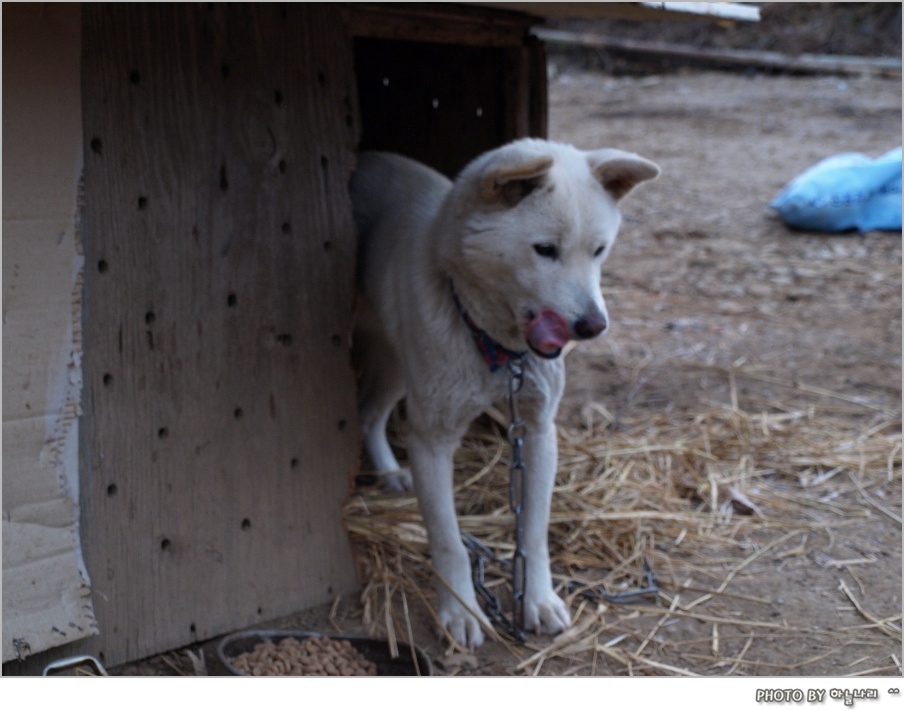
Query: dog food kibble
(312,656)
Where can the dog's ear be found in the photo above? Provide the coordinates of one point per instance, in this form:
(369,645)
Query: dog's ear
(513,176)
(620,172)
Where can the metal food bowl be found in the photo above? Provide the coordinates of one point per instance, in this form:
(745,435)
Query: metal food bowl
(373,650)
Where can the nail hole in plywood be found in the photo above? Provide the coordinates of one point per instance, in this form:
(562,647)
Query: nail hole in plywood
(134,77)
(245,524)
(142,202)
(103,266)
(108,379)
(112,490)
(162,433)
(96,145)
(238,413)
(294,464)
(232,300)
(278,97)
(165,544)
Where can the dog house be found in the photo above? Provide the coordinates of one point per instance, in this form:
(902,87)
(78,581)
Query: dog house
(179,426)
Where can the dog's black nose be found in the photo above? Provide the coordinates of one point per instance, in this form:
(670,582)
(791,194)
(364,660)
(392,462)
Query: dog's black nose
(590,325)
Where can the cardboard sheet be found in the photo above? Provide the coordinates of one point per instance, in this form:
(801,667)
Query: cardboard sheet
(46,593)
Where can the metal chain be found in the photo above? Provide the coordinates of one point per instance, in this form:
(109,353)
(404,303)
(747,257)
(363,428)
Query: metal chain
(514,627)
(628,596)
(492,607)
(516,432)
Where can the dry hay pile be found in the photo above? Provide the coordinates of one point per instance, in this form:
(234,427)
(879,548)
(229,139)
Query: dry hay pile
(700,497)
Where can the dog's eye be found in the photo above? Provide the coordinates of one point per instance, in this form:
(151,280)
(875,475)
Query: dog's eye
(599,250)
(547,251)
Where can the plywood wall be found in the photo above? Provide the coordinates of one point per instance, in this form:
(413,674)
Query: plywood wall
(220,432)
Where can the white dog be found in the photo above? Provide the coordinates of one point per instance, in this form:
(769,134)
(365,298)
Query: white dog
(456,278)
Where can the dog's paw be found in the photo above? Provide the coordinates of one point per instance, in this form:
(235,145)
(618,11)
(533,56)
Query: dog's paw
(399,481)
(463,624)
(546,613)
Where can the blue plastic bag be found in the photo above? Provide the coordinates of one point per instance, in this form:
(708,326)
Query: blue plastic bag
(844,192)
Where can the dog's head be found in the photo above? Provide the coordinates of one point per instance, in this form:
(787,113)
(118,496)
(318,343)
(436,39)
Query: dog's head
(536,221)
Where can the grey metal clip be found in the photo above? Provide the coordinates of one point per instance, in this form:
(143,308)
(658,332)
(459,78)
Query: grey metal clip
(63,664)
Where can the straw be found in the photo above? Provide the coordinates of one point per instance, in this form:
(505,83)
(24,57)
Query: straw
(709,498)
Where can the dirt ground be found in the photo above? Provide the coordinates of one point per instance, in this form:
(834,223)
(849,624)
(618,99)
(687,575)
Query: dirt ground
(704,273)
(717,306)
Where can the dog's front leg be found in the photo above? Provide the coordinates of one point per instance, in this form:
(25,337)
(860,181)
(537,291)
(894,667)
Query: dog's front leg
(431,465)
(543,609)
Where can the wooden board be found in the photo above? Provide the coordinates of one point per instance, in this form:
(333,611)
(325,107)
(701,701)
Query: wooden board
(716,11)
(440,22)
(220,430)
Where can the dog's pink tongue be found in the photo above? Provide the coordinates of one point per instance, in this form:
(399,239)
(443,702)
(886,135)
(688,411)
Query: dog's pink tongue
(548,332)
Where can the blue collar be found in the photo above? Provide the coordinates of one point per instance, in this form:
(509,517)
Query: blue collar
(494,354)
